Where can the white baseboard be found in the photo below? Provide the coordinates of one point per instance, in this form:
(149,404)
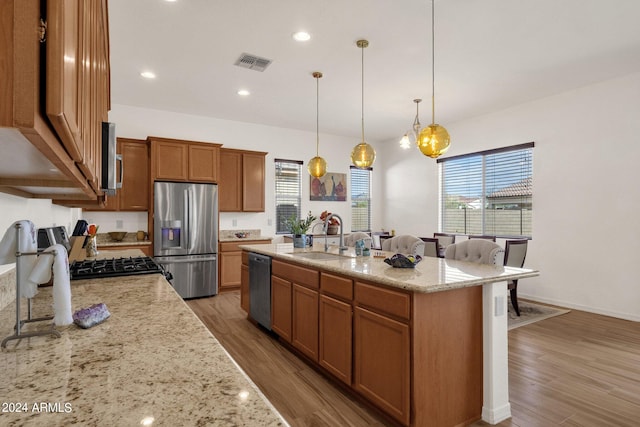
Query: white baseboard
(497,415)
(619,315)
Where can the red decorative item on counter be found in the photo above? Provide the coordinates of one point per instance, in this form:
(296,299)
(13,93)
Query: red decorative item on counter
(332,221)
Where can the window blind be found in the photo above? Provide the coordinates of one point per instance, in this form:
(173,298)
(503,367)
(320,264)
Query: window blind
(488,192)
(288,192)
(360,199)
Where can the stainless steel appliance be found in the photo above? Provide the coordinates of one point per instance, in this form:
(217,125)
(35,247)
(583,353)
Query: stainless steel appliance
(185,243)
(109,159)
(98,268)
(260,289)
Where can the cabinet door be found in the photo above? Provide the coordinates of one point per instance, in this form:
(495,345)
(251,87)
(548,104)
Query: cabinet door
(170,160)
(253,182)
(381,362)
(244,287)
(134,194)
(203,162)
(230,184)
(281,307)
(230,273)
(305,321)
(335,337)
(62,74)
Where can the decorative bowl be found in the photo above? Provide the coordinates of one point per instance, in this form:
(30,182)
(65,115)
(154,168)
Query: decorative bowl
(117,235)
(403,261)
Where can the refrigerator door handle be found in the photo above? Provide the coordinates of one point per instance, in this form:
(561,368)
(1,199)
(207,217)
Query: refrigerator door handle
(185,216)
(191,217)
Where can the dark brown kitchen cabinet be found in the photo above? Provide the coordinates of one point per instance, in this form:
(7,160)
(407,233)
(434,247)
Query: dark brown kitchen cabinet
(55,94)
(179,160)
(242,177)
(134,194)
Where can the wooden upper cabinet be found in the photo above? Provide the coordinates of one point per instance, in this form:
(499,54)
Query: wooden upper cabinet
(170,159)
(178,160)
(134,194)
(253,182)
(203,162)
(54,96)
(230,189)
(242,177)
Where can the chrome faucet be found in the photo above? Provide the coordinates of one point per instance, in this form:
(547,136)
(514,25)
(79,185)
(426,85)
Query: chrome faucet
(341,246)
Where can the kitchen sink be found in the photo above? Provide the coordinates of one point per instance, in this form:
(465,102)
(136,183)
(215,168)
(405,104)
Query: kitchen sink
(320,256)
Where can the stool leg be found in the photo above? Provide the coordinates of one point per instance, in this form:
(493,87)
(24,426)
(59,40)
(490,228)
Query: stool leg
(514,297)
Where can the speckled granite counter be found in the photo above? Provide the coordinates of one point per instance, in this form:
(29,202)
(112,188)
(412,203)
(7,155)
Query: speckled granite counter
(130,239)
(152,358)
(249,235)
(429,275)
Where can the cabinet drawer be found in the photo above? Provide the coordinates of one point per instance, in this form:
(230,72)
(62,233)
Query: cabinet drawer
(383,300)
(296,274)
(230,246)
(337,286)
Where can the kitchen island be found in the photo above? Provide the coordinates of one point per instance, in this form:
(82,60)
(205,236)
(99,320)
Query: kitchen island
(427,346)
(151,363)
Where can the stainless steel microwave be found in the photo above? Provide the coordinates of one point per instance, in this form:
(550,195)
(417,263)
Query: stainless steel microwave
(110,182)
(51,235)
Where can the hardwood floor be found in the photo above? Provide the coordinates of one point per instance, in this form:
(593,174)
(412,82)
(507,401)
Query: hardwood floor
(578,369)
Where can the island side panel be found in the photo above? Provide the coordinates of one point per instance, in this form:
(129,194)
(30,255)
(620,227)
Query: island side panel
(447,357)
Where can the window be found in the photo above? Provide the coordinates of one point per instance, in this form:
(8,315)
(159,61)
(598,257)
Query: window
(360,199)
(288,197)
(489,192)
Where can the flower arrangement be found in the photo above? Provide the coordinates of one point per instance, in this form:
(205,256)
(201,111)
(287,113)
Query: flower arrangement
(332,221)
(299,226)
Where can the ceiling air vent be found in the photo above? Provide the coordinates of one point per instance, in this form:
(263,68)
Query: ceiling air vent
(253,62)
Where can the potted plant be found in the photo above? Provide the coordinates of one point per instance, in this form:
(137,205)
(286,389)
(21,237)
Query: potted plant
(299,228)
(334,224)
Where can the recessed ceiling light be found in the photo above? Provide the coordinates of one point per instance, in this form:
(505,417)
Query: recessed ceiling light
(148,75)
(243,92)
(302,36)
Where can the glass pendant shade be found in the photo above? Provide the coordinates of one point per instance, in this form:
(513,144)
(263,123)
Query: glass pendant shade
(433,140)
(317,167)
(363,155)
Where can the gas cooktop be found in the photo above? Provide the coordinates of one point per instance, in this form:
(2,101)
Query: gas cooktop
(95,269)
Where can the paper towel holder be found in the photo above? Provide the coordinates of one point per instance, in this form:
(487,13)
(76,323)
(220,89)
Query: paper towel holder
(20,322)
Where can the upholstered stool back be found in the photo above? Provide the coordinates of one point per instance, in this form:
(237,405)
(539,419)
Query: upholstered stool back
(405,244)
(351,239)
(480,251)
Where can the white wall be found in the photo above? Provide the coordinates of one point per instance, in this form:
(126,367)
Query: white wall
(132,122)
(585,229)
(39,211)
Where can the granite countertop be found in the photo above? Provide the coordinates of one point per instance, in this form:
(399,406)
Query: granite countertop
(429,275)
(249,235)
(152,358)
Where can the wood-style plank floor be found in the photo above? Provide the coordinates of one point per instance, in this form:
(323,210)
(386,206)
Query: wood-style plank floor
(578,369)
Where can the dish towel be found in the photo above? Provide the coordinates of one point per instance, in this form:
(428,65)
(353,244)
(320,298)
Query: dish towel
(61,284)
(25,241)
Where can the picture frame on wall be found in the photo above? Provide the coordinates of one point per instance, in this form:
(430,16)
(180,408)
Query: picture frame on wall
(330,187)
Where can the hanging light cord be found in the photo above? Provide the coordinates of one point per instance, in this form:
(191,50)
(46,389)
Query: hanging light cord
(362,106)
(317,113)
(433,66)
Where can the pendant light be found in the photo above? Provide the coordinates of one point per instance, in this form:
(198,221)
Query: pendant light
(434,139)
(410,136)
(317,166)
(363,155)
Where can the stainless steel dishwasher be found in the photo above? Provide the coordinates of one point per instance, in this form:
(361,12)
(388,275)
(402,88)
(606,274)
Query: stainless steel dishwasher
(260,289)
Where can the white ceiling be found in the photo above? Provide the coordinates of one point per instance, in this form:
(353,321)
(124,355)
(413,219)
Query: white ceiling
(490,54)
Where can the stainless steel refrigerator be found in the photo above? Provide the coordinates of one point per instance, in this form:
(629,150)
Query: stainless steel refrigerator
(185,236)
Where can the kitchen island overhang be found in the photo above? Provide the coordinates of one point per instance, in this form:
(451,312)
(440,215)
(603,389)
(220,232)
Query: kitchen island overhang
(486,287)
